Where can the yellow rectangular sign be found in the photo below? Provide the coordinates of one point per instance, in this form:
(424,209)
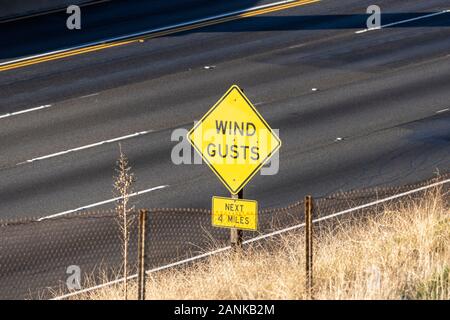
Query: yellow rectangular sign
(234,213)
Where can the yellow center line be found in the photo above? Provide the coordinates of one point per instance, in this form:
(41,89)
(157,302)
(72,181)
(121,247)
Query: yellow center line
(98,47)
(62,55)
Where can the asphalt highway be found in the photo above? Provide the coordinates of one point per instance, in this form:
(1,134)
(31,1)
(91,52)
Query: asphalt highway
(354,110)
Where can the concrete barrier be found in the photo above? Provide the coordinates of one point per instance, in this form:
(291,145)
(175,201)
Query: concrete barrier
(14,9)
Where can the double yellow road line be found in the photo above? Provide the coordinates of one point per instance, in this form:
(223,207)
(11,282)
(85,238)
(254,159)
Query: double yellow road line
(97,47)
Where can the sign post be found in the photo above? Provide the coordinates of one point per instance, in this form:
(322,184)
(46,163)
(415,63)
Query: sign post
(236,234)
(142,253)
(309,244)
(235,141)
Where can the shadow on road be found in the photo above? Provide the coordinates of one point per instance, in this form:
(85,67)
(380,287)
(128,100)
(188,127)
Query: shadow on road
(48,33)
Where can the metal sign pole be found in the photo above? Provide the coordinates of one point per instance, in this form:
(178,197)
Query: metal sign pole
(236,234)
(309,244)
(142,253)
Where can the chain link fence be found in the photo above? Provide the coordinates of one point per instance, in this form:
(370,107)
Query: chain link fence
(38,257)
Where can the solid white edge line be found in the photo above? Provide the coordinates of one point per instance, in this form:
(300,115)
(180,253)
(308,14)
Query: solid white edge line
(403,21)
(96,144)
(138,193)
(207,254)
(146,32)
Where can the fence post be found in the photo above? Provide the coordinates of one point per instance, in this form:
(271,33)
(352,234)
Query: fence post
(142,253)
(309,207)
(236,234)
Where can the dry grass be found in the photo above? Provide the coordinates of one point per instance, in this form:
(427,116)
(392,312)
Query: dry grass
(399,254)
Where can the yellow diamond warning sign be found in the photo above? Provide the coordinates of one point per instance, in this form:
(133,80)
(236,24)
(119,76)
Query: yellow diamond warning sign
(234,213)
(234,139)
